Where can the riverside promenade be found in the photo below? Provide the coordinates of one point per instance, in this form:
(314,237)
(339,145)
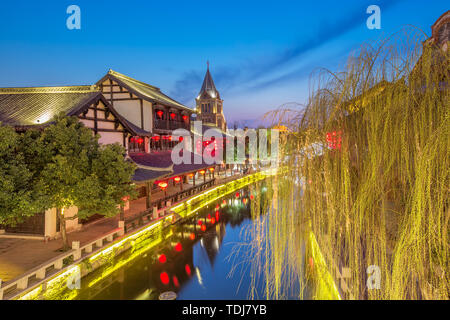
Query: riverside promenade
(19,255)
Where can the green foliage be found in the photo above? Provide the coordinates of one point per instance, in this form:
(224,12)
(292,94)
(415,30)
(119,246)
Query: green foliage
(80,172)
(18,196)
(60,167)
(382,198)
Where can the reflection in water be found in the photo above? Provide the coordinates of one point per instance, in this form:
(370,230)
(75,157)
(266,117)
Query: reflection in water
(202,259)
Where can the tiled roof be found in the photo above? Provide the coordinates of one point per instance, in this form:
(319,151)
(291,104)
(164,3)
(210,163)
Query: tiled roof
(38,105)
(143,175)
(162,160)
(144,90)
(159,160)
(135,130)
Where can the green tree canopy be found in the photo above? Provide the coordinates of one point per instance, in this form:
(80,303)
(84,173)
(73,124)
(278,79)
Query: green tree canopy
(18,196)
(80,172)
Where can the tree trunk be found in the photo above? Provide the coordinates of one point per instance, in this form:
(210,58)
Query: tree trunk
(62,228)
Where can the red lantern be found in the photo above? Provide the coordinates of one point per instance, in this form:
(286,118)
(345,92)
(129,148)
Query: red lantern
(211,169)
(140,140)
(209,216)
(202,171)
(192,236)
(177,179)
(162,258)
(237,194)
(200,222)
(172,116)
(213,220)
(251,197)
(185,117)
(159,113)
(164,278)
(162,185)
(180,139)
(203,227)
(178,247)
(217,215)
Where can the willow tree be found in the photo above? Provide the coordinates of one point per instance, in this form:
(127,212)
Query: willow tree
(369,157)
(80,172)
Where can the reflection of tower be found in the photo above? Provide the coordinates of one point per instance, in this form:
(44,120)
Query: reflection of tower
(212,240)
(209,105)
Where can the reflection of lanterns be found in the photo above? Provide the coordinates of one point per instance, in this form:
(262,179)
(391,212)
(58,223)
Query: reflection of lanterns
(200,222)
(237,194)
(178,247)
(175,281)
(203,227)
(224,202)
(188,269)
(213,220)
(192,236)
(162,258)
(244,200)
(217,215)
(209,216)
(177,179)
(164,278)
(251,197)
(217,206)
(162,185)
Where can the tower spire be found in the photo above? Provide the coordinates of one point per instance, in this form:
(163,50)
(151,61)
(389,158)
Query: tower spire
(207,64)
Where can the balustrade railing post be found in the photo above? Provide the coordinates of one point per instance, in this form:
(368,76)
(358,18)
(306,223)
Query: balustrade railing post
(76,247)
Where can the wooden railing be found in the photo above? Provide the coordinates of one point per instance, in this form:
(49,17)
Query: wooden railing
(170,125)
(158,207)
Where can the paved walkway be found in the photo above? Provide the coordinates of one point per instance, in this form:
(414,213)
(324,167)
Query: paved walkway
(20,255)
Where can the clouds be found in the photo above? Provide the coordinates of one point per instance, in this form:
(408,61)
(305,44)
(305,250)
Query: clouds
(261,72)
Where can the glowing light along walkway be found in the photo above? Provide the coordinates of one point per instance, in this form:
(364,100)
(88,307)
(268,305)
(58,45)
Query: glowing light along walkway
(56,286)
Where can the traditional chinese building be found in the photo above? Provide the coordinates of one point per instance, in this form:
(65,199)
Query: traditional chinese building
(147,108)
(34,108)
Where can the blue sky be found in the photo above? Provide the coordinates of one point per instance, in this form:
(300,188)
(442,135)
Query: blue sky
(261,53)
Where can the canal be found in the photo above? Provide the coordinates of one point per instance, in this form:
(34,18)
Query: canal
(216,254)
